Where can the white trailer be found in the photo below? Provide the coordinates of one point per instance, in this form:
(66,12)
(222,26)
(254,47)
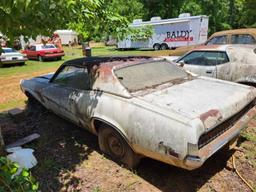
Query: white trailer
(67,36)
(170,33)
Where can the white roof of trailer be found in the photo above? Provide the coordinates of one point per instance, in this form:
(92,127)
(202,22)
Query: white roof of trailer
(167,21)
(65,31)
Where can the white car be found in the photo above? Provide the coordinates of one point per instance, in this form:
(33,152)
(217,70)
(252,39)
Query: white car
(141,107)
(235,63)
(11,56)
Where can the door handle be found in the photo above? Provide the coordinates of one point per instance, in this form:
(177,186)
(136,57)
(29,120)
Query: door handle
(209,71)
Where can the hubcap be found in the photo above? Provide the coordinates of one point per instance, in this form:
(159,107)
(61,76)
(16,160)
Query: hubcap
(116,146)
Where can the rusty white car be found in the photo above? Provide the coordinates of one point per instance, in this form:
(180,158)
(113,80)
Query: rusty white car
(145,107)
(228,62)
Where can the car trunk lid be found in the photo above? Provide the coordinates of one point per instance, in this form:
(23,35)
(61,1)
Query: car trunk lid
(212,101)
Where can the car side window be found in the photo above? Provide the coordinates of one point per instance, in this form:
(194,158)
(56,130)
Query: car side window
(218,40)
(205,58)
(73,77)
(243,39)
(32,48)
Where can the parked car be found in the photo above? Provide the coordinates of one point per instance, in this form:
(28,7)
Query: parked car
(42,52)
(144,107)
(236,36)
(11,56)
(227,62)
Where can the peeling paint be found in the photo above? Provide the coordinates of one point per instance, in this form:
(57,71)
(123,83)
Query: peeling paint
(160,122)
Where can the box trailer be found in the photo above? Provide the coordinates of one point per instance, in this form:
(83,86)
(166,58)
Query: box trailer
(170,33)
(67,36)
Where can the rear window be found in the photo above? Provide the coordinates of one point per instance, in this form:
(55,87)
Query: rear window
(242,39)
(148,75)
(9,50)
(48,47)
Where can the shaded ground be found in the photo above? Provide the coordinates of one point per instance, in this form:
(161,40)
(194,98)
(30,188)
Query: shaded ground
(70,160)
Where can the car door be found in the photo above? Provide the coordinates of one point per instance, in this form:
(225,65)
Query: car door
(65,88)
(201,62)
(224,66)
(31,52)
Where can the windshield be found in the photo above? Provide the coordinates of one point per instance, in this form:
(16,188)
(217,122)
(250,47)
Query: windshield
(148,75)
(9,50)
(48,47)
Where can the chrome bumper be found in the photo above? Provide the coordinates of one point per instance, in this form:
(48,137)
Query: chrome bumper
(193,162)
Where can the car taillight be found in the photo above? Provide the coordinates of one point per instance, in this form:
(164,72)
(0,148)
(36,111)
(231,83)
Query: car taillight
(2,57)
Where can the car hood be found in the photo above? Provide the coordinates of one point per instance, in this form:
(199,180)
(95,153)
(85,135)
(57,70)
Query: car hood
(44,78)
(211,100)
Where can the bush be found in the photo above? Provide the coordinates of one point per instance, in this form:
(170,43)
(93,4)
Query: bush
(10,182)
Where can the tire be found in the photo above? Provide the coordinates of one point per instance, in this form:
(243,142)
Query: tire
(40,58)
(113,145)
(164,46)
(21,64)
(1,64)
(156,47)
(33,105)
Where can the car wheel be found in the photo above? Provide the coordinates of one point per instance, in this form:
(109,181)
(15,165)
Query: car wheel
(21,64)
(33,105)
(1,64)
(40,58)
(156,46)
(164,46)
(112,144)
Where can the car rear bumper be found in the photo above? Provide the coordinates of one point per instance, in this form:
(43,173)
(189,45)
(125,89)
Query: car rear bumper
(13,61)
(193,162)
(48,56)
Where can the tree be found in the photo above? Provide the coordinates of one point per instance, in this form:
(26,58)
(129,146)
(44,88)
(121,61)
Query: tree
(131,9)
(247,13)
(33,17)
(163,8)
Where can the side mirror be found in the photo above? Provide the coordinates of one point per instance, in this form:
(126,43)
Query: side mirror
(181,64)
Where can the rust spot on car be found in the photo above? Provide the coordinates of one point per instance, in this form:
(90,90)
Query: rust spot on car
(210,113)
(167,150)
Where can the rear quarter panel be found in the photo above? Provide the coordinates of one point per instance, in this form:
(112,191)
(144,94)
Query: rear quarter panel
(144,127)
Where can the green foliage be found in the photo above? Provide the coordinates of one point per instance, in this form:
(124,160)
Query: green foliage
(130,9)
(9,182)
(141,33)
(31,17)
(223,14)
(92,19)
(248,13)
(96,19)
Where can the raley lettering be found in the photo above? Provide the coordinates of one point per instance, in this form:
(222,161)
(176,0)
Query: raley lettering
(179,34)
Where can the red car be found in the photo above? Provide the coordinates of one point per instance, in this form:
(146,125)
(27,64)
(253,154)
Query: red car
(42,52)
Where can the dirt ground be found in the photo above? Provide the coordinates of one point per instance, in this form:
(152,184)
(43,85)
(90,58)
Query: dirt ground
(69,160)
